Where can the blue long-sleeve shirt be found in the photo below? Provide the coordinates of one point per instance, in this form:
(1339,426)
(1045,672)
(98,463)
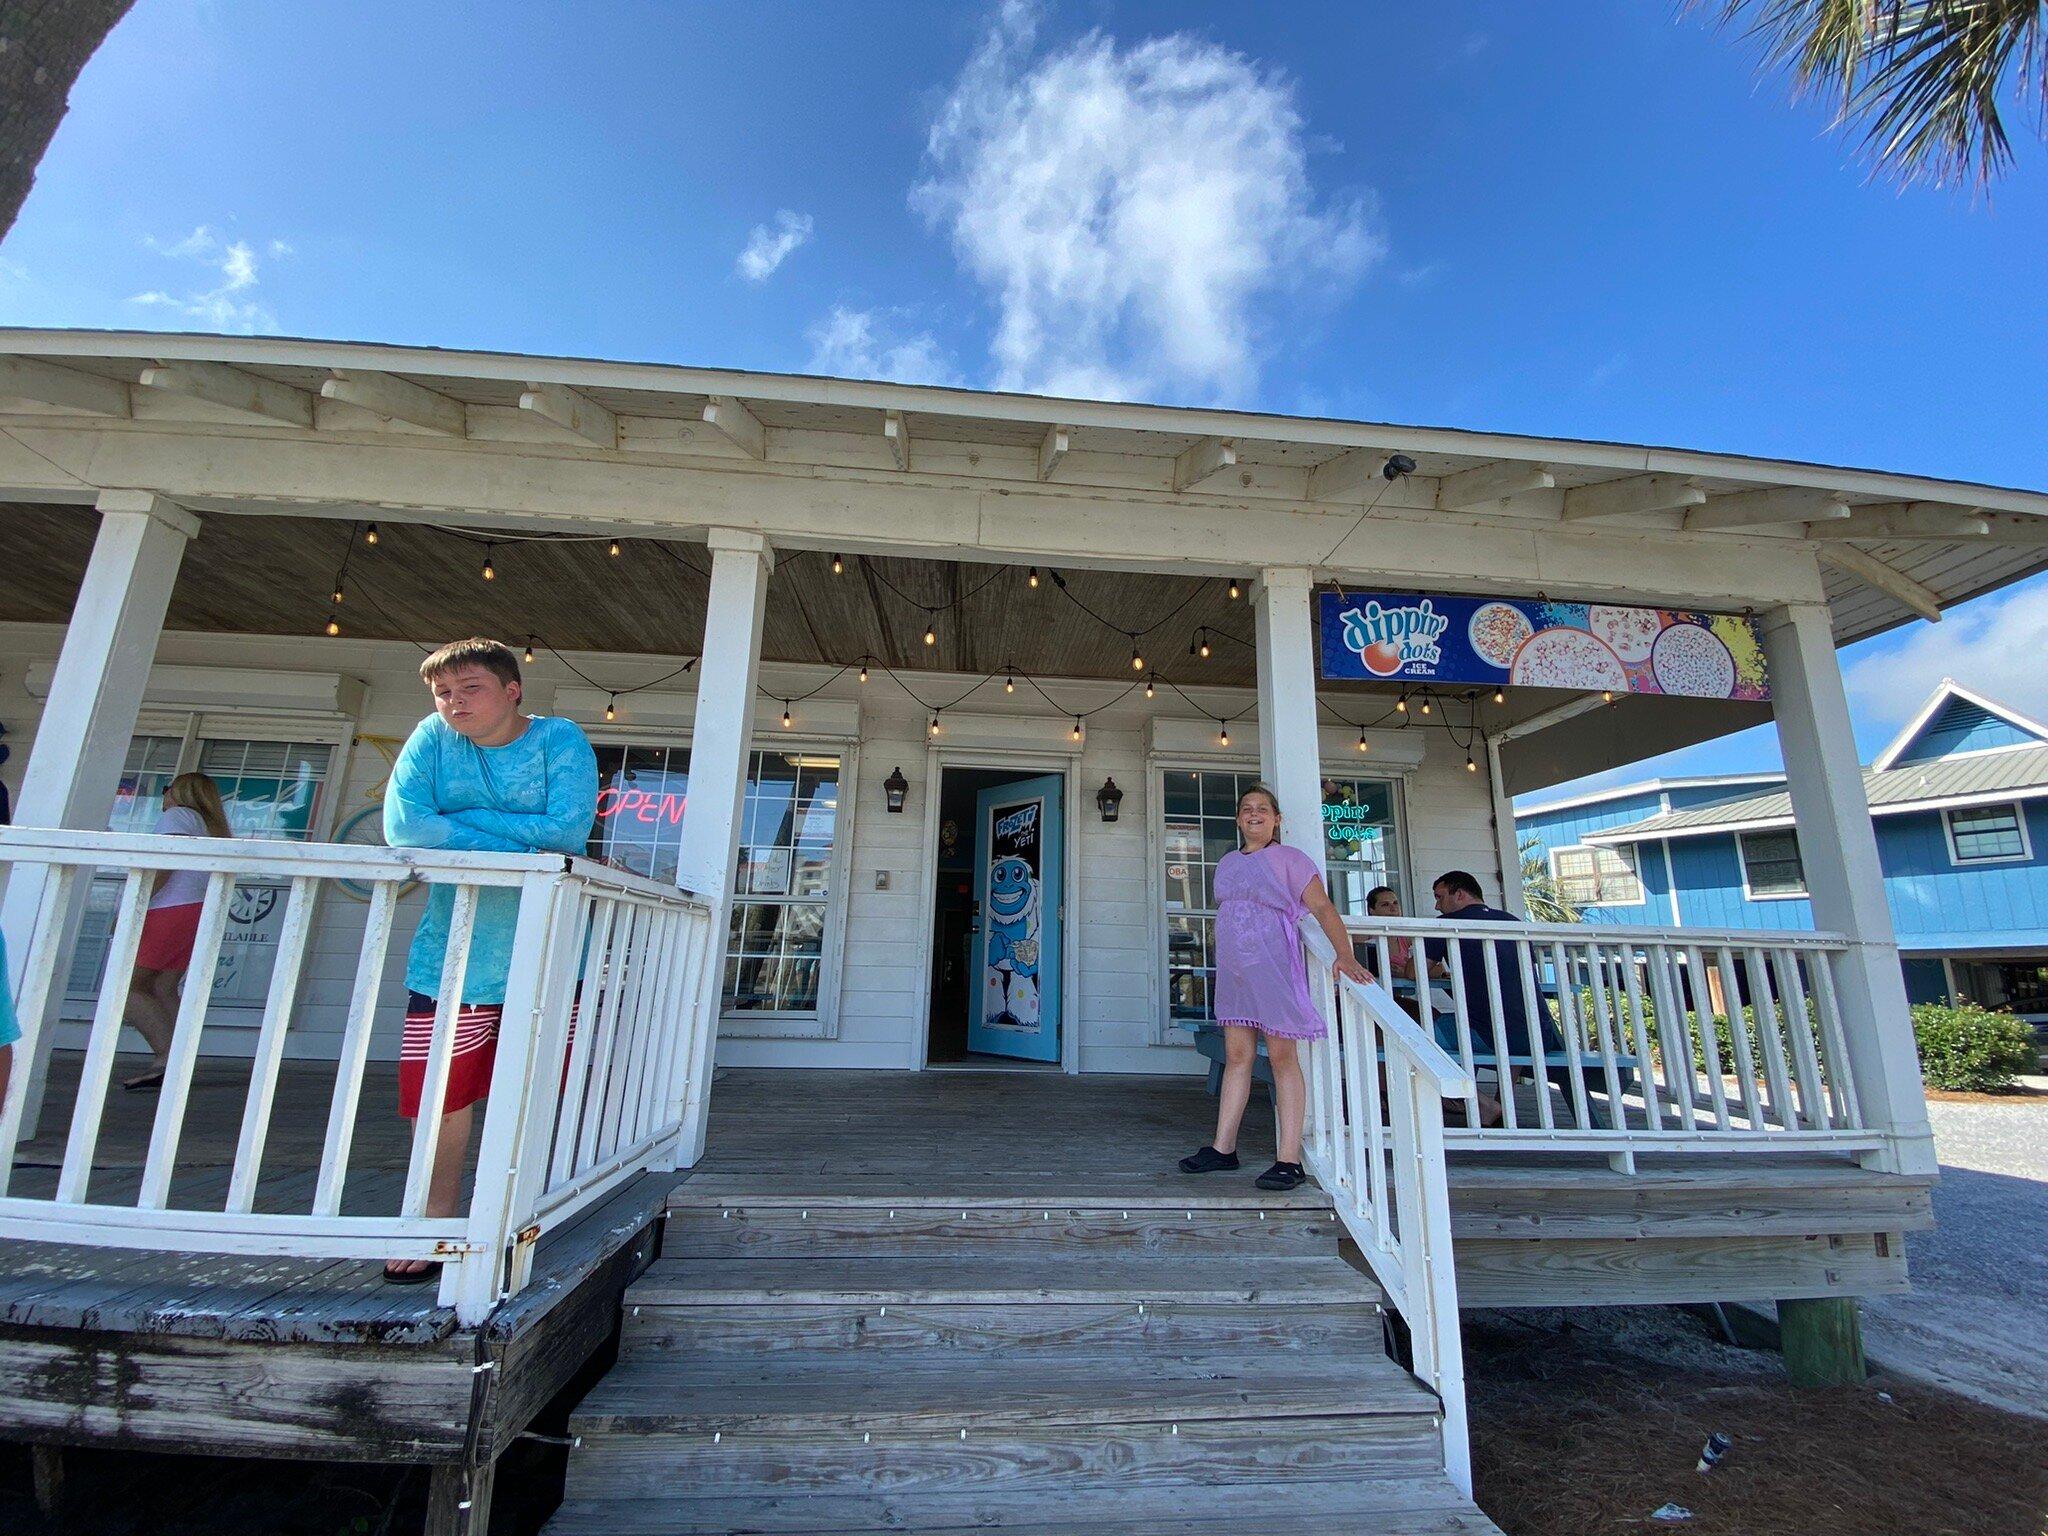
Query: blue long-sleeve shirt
(535,794)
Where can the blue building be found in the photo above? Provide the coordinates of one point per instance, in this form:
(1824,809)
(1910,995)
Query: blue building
(1959,801)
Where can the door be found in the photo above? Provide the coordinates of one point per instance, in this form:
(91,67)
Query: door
(1014,992)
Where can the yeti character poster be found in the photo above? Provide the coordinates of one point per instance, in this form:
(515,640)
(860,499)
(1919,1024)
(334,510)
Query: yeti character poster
(1017,964)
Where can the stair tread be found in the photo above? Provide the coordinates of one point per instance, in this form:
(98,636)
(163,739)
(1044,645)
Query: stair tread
(1054,1191)
(1393,1506)
(943,1391)
(1005,1278)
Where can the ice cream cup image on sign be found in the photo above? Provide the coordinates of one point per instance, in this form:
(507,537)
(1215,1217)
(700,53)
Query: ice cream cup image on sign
(1690,660)
(1568,658)
(1629,631)
(1496,631)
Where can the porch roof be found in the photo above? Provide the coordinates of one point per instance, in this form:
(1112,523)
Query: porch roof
(1890,545)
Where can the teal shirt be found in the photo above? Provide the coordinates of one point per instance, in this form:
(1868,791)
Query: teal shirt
(9,1030)
(536,794)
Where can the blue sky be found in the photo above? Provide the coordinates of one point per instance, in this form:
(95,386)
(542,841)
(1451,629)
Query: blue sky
(1585,219)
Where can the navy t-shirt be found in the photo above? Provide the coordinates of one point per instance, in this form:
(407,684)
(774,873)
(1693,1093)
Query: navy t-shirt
(1514,1013)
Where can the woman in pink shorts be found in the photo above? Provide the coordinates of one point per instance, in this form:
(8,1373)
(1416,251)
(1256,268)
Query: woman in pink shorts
(192,808)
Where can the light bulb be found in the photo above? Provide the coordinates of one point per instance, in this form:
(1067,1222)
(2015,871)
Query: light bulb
(370,534)
(1235,590)
(611,709)
(785,715)
(613,551)
(1076,732)
(863,671)
(1009,685)
(529,653)
(1137,662)
(1401,704)
(838,566)
(490,571)
(1363,745)
(1222,734)
(1470,766)
(1425,703)
(933,728)
(337,595)
(333,625)
(931,636)
(1606,695)
(1032,578)
(1149,690)
(1500,696)
(1203,648)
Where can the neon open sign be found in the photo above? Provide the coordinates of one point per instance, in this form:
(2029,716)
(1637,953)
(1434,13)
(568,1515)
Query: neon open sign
(643,805)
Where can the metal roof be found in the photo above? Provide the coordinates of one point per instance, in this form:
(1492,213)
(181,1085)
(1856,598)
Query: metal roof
(2004,774)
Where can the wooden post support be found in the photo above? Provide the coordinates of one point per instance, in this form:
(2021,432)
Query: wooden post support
(48,1468)
(451,1512)
(1823,1341)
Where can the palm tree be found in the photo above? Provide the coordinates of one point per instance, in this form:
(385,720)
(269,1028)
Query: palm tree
(43,46)
(1541,897)
(1930,81)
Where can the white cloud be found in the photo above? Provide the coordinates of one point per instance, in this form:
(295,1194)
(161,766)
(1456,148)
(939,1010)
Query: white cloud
(767,249)
(1993,646)
(857,344)
(1131,211)
(223,303)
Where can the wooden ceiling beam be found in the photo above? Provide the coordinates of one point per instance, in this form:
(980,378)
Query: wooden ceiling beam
(73,389)
(1052,450)
(1631,497)
(1342,478)
(740,426)
(1196,466)
(1486,483)
(574,413)
(1909,520)
(233,389)
(1873,572)
(1762,508)
(897,431)
(396,399)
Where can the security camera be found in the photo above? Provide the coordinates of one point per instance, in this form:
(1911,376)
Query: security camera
(1397,465)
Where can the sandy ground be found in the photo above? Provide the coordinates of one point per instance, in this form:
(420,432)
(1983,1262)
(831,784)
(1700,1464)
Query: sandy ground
(1977,1318)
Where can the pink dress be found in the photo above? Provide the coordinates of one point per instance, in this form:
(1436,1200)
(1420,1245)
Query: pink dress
(1261,977)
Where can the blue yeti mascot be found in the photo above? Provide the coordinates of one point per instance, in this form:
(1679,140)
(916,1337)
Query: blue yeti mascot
(1012,928)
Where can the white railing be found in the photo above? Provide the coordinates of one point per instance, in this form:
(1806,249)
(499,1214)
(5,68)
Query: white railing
(591,1084)
(1375,1141)
(1627,1041)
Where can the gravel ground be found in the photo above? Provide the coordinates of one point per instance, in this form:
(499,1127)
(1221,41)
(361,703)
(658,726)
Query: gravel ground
(1977,1316)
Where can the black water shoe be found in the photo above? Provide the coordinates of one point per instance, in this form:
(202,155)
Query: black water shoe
(1281,1176)
(1209,1160)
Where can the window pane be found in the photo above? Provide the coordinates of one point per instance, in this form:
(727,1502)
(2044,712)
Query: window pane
(1182,794)
(1987,832)
(151,764)
(1358,841)
(1772,860)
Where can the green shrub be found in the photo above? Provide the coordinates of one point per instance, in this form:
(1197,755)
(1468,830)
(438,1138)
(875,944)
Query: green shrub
(1971,1049)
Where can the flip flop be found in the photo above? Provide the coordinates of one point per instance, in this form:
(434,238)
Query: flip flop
(409,1276)
(149,1082)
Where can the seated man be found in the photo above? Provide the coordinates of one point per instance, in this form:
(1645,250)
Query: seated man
(1457,896)
(477,774)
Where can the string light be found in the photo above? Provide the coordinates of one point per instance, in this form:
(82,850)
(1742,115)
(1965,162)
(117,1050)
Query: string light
(838,566)
(1425,703)
(1363,744)
(1202,650)
(370,534)
(1500,696)
(1606,695)
(1401,704)
(337,594)
(333,625)
(863,671)
(1076,732)
(1470,766)
(611,708)
(529,651)
(1009,685)
(1222,734)
(613,550)
(1137,660)
(1235,590)
(1149,689)
(933,728)
(931,635)
(1031,578)
(785,715)
(490,571)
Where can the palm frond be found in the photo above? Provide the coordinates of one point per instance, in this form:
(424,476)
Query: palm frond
(1930,82)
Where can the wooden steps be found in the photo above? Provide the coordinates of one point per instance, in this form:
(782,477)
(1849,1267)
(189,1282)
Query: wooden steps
(821,1360)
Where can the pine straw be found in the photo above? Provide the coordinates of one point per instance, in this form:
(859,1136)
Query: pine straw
(1577,1430)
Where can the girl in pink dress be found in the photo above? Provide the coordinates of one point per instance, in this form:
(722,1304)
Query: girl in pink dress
(1262,892)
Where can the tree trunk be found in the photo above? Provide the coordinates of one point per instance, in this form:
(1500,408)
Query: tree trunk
(43,46)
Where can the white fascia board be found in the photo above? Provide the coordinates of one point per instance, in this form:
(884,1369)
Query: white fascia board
(1641,832)
(1044,411)
(1948,689)
(1648,786)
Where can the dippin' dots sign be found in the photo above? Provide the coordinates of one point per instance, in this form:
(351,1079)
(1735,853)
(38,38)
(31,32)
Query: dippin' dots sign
(1386,640)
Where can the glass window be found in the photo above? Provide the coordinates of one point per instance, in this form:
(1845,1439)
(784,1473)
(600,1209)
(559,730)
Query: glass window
(1593,876)
(1198,811)
(782,884)
(271,789)
(1770,863)
(1986,834)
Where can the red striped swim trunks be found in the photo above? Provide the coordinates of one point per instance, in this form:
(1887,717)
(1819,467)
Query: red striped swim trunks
(469,1068)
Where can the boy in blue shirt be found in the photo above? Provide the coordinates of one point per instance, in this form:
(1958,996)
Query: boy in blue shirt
(477,774)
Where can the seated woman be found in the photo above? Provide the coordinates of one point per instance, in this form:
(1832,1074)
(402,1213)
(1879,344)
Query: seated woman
(1385,901)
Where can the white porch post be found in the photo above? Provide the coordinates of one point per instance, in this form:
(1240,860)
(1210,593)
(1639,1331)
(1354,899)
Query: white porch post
(726,674)
(1290,750)
(1838,848)
(1507,839)
(74,767)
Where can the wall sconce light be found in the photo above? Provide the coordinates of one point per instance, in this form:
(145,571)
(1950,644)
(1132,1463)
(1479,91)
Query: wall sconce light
(896,787)
(1109,800)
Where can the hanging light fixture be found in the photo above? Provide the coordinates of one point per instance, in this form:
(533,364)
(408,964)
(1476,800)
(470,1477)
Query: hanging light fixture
(1222,734)
(863,671)
(611,708)
(838,565)
(529,650)
(1425,703)
(931,635)
(613,551)
(894,788)
(933,728)
(1470,766)
(370,534)
(1202,650)
(1109,800)
(1075,734)
(1606,695)
(1363,744)
(1236,591)
(1031,578)
(1401,704)
(490,571)
(1137,659)
(1009,685)
(1149,689)
(786,722)
(1500,696)
(333,625)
